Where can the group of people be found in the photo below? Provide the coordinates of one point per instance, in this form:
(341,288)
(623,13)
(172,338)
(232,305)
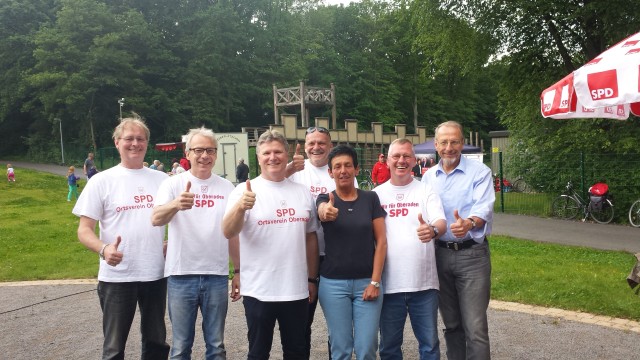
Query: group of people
(298,234)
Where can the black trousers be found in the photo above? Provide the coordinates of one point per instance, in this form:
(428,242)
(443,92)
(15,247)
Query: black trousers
(292,321)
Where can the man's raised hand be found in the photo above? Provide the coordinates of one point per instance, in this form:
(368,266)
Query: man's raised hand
(248,198)
(425,231)
(458,228)
(298,160)
(186,199)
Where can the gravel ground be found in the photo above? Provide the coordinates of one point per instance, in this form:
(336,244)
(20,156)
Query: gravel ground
(63,322)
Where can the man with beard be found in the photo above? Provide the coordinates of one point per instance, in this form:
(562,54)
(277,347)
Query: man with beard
(462,252)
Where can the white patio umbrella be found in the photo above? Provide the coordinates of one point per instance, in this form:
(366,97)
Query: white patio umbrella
(605,87)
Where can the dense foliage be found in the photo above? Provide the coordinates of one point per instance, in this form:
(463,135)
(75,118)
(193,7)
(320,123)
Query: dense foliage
(183,63)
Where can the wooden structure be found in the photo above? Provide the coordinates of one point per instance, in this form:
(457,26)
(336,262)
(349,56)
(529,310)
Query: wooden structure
(306,97)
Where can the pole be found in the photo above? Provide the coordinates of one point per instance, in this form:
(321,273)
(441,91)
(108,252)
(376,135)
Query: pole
(61,142)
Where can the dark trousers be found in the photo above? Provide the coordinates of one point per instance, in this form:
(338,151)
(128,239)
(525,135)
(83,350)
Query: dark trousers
(118,302)
(261,319)
(311,315)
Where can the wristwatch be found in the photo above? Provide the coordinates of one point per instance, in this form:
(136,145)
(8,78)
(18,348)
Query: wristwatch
(435,232)
(376,284)
(473,223)
(101,253)
(314,280)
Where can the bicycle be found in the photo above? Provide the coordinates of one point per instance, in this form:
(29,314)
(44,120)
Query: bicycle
(366,183)
(568,205)
(634,214)
(521,186)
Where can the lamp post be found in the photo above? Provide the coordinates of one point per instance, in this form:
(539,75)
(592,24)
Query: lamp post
(121,102)
(61,143)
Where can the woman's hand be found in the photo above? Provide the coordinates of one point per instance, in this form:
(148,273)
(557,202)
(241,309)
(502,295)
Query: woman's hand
(371,293)
(326,211)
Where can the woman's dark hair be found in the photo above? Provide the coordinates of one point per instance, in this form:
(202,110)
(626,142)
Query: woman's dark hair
(343,149)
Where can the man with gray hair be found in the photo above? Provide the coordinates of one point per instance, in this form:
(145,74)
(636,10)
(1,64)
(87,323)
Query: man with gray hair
(462,252)
(277,222)
(197,265)
(410,277)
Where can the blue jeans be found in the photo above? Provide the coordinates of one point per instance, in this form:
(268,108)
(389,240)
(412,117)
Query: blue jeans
(352,322)
(422,307)
(187,293)
(465,289)
(118,302)
(261,320)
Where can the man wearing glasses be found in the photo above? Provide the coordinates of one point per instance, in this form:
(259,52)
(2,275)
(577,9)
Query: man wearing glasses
(197,264)
(130,248)
(462,252)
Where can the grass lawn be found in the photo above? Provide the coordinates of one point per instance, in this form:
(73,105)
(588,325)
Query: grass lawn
(38,241)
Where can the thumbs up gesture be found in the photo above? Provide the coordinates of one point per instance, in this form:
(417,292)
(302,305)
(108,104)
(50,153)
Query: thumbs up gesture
(425,231)
(459,228)
(298,160)
(186,198)
(248,198)
(326,211)
(112,256)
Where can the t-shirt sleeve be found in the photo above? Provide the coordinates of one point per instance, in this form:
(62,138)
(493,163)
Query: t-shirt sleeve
(322,198)
(378,211)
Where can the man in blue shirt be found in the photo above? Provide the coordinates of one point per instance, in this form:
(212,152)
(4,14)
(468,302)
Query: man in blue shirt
(462,253)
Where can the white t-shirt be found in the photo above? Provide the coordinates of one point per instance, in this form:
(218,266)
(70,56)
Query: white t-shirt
(273,254)
(410,265)
(122,201)
(196,242)
(318,181)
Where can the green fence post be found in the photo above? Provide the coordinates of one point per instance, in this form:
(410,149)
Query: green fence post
(582,179)
(500,181)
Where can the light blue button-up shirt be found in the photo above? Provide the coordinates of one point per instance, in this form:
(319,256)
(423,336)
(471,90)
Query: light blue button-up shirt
(468,189)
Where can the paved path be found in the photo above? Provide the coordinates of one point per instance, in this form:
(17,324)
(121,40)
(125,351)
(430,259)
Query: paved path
(61,320)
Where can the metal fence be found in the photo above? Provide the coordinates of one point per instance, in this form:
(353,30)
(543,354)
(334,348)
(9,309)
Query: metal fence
(533,181)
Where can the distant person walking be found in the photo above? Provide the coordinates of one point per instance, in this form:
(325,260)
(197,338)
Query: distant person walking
(90,166)
(11,175)
(242,171)
(72,180)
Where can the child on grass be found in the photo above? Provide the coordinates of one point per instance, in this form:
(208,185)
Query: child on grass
(11,176)
(72,180)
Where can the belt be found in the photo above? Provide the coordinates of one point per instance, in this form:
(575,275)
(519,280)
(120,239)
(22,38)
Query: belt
(456,245)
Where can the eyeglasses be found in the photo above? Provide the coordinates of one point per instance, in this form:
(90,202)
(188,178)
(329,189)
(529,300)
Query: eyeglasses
(400,156)
(131,139)
(317,128)
(200,151)
(445,143)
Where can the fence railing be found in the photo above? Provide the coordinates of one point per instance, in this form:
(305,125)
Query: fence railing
(532,182)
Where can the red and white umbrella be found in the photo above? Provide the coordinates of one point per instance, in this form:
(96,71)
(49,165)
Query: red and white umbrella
(606,87)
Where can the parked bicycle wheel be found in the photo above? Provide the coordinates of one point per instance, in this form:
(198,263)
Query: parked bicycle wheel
(634,214)
(365,185)
(604,214)
(520,186)
(565,207)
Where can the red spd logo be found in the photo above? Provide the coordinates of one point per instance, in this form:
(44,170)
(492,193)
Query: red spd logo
(603,85)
